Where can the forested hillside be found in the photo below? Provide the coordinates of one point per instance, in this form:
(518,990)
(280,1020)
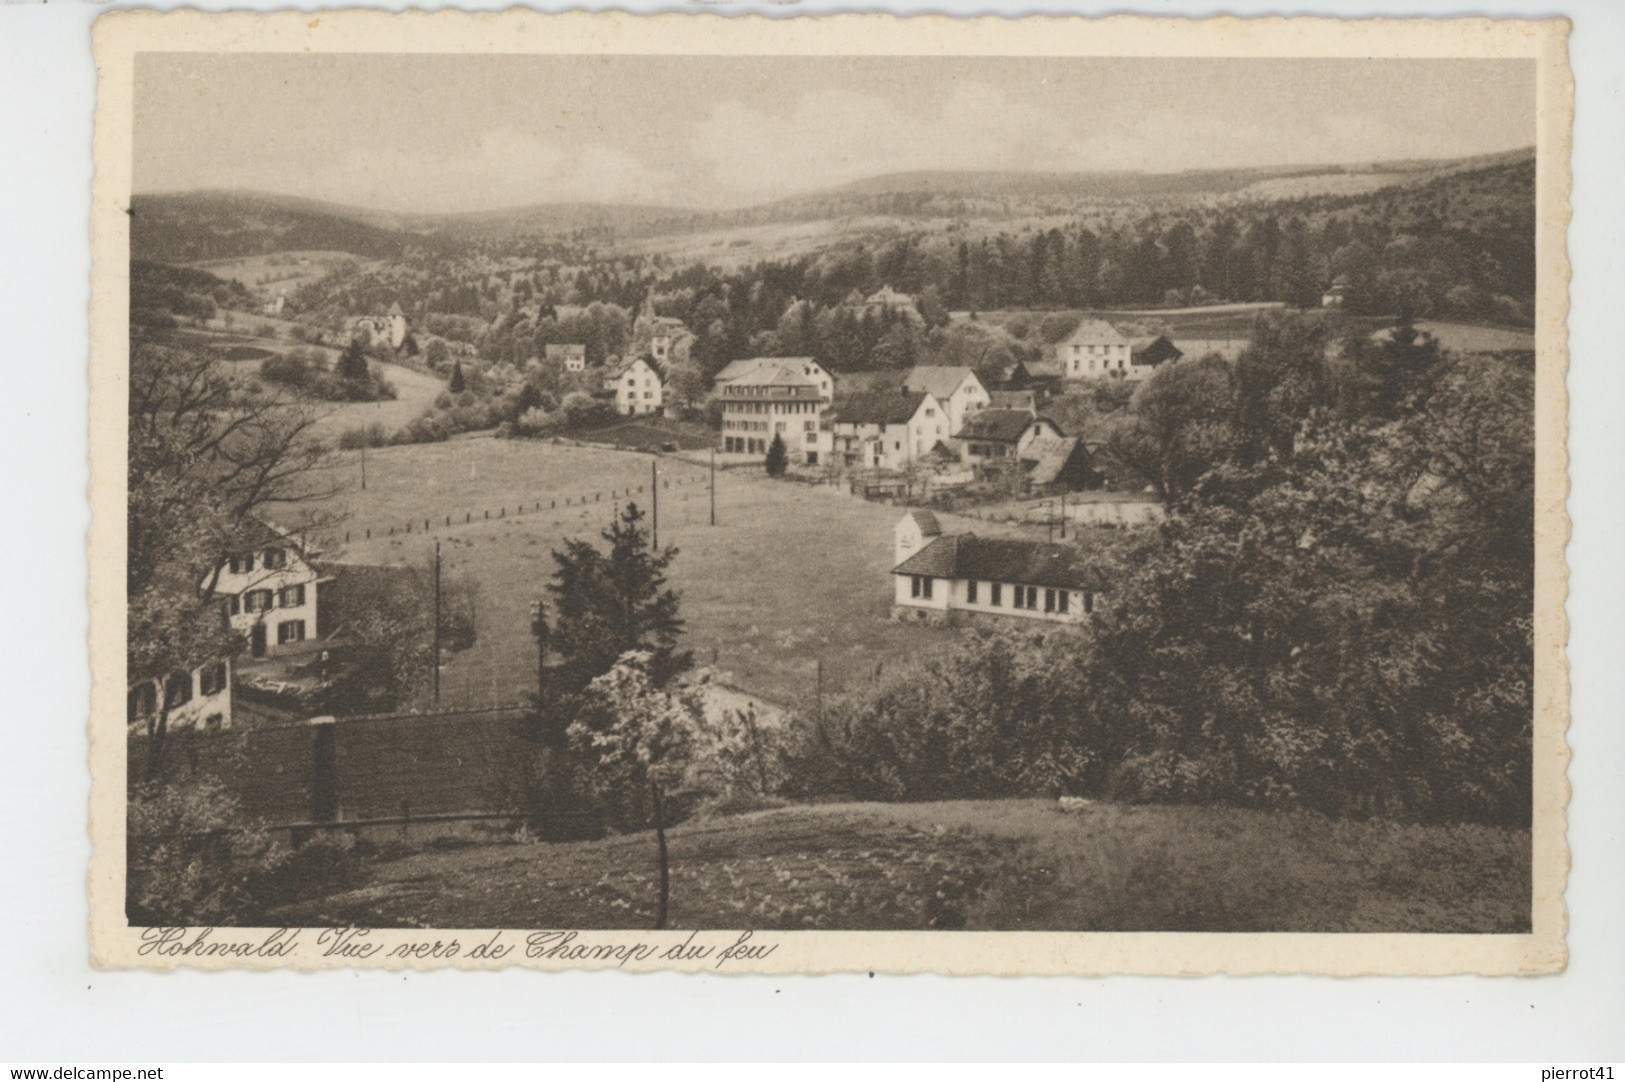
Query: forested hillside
(195,226)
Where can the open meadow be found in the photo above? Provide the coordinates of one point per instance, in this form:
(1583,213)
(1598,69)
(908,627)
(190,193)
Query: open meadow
(792,575)
(974,865)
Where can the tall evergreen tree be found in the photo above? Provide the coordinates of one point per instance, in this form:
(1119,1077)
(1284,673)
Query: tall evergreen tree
(456,386)
(607,603)
(352,363)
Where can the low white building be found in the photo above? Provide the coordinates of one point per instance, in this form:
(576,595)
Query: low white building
(635,387)
(269,593)
(1095,350)
(200,699)
(946,577)
(572,356)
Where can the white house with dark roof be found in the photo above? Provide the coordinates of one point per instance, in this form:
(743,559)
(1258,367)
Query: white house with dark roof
(1095,350)
(269,591)
(956,388)
(886,430)
(944,577)
(634,386)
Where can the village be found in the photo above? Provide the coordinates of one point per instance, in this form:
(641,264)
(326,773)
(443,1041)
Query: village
(832,563)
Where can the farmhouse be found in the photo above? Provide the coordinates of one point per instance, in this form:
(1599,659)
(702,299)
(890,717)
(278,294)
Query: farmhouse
(995,435)
(1059,464)
(269,592)
(956,389)
(1336,293)
(887,430)
(571,355)
(940,576)
(1094,351)
(633,386)
(767,396)
(200,699)
(389,328)
(1148,353)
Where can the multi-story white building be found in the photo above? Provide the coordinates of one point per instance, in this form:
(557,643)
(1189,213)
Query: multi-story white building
(765,397)
(269,593)
(1096,350)
(635,387)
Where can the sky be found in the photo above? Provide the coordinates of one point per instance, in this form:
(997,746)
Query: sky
(445,133)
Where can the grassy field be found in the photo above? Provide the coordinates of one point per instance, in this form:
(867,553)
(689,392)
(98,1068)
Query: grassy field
(1472,338)
(979,865)
(793,574)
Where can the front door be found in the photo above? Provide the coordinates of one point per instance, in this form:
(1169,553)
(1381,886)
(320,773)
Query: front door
(256,640)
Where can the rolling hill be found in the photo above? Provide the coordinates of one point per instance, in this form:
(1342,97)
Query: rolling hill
(195,226)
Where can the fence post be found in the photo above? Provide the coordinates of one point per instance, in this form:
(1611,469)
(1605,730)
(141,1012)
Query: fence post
(324,786)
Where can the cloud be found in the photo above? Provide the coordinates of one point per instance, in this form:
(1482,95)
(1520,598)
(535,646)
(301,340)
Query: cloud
(505,167)
(831,137)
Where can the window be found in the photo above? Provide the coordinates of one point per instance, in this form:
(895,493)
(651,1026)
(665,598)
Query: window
(1049,599)
(290,631)
(970,592)
(292,596)
(920,586)
(1088,601)
(275,559)
(178,689)
(236,605)
(998,595)
(258,601)
(1063,599)
(236,564)
(212,681)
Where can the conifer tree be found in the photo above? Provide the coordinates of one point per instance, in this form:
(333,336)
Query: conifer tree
(777,458)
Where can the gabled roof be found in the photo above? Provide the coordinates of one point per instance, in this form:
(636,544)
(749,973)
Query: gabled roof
(566,349)
(887,295)
(1050,455)
(1000,426)
(878,408)
(993,559)
(1095,332)
(926,521)
(1154,351)
(614,370)
(940,381)
(767,370)
(395,309)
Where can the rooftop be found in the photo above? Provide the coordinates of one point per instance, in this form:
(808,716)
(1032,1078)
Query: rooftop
(878,408)
(992,559)
(939,381)
(1000,426)
(1095,332)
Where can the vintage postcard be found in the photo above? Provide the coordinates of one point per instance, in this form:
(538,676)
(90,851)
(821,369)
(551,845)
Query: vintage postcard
(1005,496)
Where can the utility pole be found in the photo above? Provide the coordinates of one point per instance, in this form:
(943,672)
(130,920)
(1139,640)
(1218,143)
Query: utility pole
(818,689)
(713,486)
(654,501)
(437,623)
(363,465)
(1063,514)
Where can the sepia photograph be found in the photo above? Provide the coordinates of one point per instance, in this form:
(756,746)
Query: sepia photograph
(714,493)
